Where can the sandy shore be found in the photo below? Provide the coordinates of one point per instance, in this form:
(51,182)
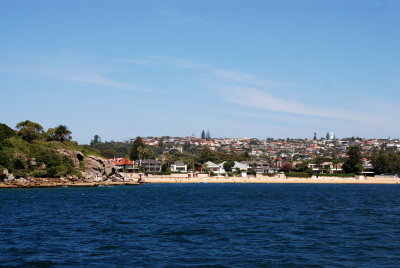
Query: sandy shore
(72,184)
(369,180)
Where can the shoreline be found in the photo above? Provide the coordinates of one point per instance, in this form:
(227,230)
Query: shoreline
(369,180)
(161,180)
(58,185)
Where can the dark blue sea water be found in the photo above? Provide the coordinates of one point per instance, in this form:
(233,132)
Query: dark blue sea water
(199,225)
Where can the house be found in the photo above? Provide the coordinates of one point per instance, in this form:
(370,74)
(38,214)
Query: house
(237,166)
(178,166)
(149,165)
(325,167)
(212,167)
(124,164)
(260,166)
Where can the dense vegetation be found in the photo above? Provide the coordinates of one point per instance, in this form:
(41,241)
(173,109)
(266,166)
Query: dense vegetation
(386,161)
(31,151)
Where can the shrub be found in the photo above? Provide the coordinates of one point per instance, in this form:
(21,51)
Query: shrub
(161,173)
(6,160)
(20,173)
(18,163)
(298,174)
(39,174)
(350,175)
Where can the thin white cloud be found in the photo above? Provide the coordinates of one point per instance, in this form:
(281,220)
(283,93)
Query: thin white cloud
(255,98)
(87,77)
(253,91)
(245,78)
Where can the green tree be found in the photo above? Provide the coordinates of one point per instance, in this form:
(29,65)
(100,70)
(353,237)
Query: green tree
(109,153)
(145,153)
(29,130)
(96,139)
(208,135)
(228,165)
(6,132)
(335,158)
(203,134)
(353,163)
(134,154)
(62,133)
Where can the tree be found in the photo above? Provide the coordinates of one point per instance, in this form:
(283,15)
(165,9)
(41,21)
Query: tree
(315,135)
(6,132)
(96,139)
(109,153)
(145,153)
(203,134)
(287,167)
(29,130)
(134,155)
(385,161)
(327,135)
(208,135)
(62,133)
(228,165)
(353,162)
(335,158)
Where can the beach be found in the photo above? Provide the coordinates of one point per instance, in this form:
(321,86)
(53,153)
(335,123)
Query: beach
(184,179)
(366,180)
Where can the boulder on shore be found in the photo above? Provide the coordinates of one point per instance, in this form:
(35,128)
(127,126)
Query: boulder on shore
(95,168)
(6,176)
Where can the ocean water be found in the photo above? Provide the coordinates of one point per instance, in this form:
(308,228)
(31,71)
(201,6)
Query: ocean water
(201,225)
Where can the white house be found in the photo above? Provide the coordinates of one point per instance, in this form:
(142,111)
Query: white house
(178,167)
(217,169)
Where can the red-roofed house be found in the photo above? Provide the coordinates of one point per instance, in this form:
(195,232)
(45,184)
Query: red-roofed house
(124,164)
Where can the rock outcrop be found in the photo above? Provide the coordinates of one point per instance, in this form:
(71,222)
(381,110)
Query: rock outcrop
(94,168)
(120,177)
(6,177)
(75,156)
(97,167)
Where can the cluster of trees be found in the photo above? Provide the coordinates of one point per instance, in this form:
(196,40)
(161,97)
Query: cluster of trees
(24,152)
(386,161)
(30,131)
(352,164)
(205,135)
(140,151)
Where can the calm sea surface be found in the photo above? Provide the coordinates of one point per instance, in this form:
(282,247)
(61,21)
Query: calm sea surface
(220,225)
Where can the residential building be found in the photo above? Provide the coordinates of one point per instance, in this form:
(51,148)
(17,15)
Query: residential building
(149,165)
(178,166)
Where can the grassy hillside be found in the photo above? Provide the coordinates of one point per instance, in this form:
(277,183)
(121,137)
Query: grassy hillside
(37,157)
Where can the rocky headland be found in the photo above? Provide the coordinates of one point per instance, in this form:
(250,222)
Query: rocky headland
(95,171)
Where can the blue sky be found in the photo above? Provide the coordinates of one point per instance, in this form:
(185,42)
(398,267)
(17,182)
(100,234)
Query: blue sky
(123,68)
